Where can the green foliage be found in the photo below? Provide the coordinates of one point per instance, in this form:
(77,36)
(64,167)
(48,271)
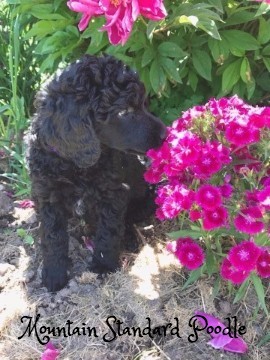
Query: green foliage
(28,239)
(19,80)
(201,49)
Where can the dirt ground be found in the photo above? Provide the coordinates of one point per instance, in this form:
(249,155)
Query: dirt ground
(148,285)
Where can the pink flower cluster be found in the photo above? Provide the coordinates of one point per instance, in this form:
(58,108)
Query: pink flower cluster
(243,259)
(204,165)
(188,252)
(120,15)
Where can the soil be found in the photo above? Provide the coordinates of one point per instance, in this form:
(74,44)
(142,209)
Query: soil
(149,285)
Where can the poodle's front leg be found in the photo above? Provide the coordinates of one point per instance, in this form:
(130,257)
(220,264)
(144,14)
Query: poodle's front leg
(54,244)
(110,233)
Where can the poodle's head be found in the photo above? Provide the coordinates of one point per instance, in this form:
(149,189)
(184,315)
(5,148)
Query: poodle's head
(97,100)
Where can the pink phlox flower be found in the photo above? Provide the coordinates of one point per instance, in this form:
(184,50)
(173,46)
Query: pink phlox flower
(229,272)
(208,197)
(220,340)
(174,199)
(50,353)
(263,197)
(263,264)
(88,8)
(193,113)
(226,190)
(159,158)
(208,162)
(214,219)
(241,135)
(265,181)
(195,214)
(251,197)
(171,246)
(248,220)
(244,256)
(185,148)
(189,253)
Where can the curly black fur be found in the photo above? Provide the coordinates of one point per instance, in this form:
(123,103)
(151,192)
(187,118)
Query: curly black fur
(91,120)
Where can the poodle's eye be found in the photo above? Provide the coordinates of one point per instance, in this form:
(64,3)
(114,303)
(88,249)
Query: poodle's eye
(126,111)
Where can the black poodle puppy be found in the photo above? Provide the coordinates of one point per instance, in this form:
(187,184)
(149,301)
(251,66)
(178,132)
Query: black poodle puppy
(90,125)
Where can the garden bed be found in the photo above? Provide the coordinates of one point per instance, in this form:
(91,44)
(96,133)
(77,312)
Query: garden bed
(148,285)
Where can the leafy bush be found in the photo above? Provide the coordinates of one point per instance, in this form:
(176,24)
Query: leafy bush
(214,48)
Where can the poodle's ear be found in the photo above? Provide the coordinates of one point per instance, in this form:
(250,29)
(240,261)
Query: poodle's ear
(67,130)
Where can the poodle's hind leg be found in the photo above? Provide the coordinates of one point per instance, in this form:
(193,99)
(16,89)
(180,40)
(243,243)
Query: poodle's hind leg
(54,244)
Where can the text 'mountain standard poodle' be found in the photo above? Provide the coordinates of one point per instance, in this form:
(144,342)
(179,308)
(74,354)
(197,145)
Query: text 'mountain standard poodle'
(90,123)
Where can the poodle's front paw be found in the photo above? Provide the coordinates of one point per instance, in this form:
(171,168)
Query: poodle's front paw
(54,277)
(100,266)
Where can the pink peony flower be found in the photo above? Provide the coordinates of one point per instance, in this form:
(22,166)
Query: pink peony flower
(120,14)
(231,273)
(153,10)
(213,219)
(263,264)
(248,220)
(88,8)
(189,253)
(208,197)
(244,256)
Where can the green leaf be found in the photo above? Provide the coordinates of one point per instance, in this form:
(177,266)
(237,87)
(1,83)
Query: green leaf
(193,80)
(45,27)
(263,9)
(210,262)
(202,63)
(148,56)
(238,39)
(231,75)
(194,276)
(219,50)
(21,233)
(29,240)
(266,50)
(157,77)
(267,63)
(241,292)
(260,291)
(150,29)
(245,71)
(170,49)
(185,233)
(45,12)
(264,33)
(170,69)
(210,28)
(262,239)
